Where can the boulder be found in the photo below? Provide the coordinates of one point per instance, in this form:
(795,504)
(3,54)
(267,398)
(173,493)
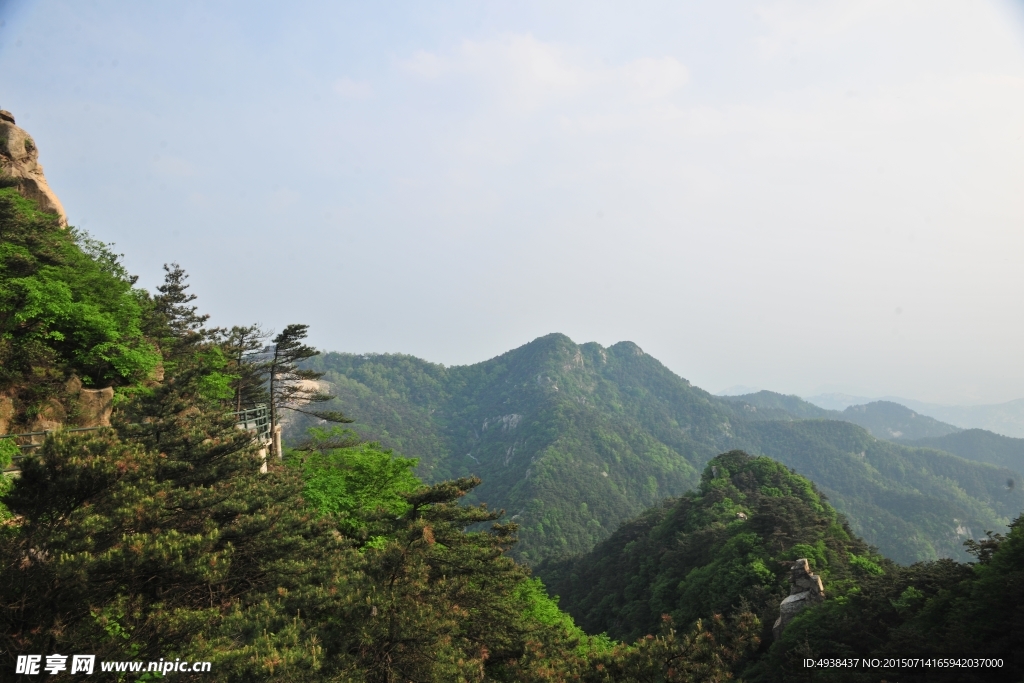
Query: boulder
(95,407)
(19,161)
(805,590)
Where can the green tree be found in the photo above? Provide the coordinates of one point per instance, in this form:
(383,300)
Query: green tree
(67,306)
(243,346)
(353,481)
(291,387)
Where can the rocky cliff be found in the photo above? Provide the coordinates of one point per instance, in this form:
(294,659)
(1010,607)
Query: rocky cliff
(19,163)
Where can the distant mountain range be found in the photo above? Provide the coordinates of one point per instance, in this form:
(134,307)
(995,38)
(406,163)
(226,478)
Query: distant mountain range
(1002,418)
(883,419)
(574,439)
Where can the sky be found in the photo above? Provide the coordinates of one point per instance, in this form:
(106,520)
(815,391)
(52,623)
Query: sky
(798,196)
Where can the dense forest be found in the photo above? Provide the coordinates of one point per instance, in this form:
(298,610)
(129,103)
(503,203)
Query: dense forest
(572,440)
(728,545)
(980,445)
(372,550)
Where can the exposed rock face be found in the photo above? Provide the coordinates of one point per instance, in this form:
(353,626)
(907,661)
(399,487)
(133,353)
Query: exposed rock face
(6,413)
(51,415)
(19,160)
(805,590)
(94,405)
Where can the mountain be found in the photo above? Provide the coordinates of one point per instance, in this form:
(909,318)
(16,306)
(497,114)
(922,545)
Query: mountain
(734,545)
(1002,418)
(732,539)
(769,405)
(888,420)
(837,401)
(980,445)
(573,440)
(883,419)
(570,439)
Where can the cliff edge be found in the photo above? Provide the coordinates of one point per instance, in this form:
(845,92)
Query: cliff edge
(19,161)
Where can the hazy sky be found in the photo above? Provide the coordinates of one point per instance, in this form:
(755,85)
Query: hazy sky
(801,196)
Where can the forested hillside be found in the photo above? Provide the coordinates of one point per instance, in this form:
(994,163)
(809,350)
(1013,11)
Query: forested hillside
(571,440)
(982,446)
(728,547)
(912,503)
(888,420)
(732,539)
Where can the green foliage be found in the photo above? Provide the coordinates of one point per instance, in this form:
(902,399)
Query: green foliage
(930,609)
(8,450)
(354,483)
(540,606)
(698,556)
(865,565)
(706,652)
(66,306)
(160,538)
(573,440)
(243,347)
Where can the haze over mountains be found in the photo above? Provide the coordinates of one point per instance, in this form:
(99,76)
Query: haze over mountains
(1002,418)
(574,439)
(884,419)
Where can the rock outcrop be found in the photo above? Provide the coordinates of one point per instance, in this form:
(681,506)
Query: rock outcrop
(805,590)
(94,406)
(6,413)
(19,162)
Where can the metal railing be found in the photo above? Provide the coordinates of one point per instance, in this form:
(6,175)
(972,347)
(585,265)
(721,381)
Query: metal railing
(33,444)
(255,419)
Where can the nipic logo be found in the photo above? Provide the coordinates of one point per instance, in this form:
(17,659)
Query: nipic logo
(34,665)
(55,664)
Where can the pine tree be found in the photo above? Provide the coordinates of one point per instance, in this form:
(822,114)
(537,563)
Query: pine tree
(291,387)
(244,348)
